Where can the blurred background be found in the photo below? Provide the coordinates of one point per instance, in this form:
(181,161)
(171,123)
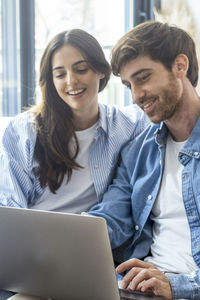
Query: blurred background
(28,25)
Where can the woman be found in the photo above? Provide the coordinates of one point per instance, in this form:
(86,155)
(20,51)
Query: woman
(61,154)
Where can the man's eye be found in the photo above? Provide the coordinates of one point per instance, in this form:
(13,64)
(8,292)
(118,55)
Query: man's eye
(144,77)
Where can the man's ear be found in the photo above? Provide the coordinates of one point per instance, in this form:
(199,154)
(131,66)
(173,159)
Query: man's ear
(180,65)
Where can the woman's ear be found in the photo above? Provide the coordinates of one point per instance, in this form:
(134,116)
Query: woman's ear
(101,76)
(180,65)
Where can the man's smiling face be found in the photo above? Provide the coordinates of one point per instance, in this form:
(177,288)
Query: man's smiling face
(154,88)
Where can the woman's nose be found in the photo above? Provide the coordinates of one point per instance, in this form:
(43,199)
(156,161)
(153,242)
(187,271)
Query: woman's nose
(71,78)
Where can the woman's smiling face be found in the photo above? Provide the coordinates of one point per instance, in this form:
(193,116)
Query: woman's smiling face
(76,83)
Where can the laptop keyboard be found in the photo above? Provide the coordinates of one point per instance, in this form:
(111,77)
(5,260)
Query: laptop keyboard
(126,295)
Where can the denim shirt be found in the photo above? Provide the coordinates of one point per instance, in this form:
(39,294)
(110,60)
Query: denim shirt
(129,200)
(19,185)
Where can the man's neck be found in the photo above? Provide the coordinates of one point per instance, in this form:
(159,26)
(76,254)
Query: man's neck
(181,131)
(181,125)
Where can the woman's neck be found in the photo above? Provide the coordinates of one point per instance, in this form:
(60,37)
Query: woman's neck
(82,121)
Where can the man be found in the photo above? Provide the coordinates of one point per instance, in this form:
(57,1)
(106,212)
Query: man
(155,197)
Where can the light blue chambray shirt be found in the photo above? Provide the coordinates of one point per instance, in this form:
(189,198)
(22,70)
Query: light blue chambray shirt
(127,204)
(20,187)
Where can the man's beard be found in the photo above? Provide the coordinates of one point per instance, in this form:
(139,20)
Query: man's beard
(168,101)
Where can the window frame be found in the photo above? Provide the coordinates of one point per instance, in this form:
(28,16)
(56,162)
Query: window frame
(18,49)
(18,55)
(9,57)
(27,51)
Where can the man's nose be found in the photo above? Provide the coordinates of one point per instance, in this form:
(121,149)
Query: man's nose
(137,93)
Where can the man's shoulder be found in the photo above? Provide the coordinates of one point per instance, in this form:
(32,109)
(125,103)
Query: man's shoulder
(146,139)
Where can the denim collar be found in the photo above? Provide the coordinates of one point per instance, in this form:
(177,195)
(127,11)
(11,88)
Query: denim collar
(192,146)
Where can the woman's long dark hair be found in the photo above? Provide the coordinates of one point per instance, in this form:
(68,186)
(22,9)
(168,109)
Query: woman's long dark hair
(54,118)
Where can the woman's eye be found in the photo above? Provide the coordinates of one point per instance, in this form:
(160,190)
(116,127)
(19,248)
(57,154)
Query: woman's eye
(127,85)
(82,70)
(60,75)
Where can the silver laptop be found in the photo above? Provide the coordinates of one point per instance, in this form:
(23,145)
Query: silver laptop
(57,255)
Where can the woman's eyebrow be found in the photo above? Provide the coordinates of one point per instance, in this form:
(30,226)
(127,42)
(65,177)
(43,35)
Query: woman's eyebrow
(57,68)
(79,62)
(74,64)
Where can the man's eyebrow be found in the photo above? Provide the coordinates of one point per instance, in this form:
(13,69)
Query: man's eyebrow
(135,74)
(139,72)
(75,64)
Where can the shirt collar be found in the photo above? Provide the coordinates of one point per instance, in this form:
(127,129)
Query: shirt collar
(161,133)
(192,144)
(103,114)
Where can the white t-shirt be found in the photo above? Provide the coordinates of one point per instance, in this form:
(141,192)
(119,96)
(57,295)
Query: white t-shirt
(171,248)
(78,194)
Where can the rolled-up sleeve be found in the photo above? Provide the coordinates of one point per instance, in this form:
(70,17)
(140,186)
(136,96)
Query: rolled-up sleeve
(18,182)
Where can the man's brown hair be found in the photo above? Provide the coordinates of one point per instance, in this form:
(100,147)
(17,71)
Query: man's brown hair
(160,42)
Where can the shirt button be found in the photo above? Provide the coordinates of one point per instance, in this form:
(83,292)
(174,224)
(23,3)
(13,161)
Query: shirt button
(136,227)
(150,197)
(96,166)
(196,153)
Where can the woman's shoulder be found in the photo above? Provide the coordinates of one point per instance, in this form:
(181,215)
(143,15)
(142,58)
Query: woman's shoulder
(18,141)
(20,128)
(128,120)
(131,113)
(22,121)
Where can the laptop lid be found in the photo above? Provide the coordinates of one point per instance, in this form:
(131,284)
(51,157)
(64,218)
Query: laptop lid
(56,255)
(59,256)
